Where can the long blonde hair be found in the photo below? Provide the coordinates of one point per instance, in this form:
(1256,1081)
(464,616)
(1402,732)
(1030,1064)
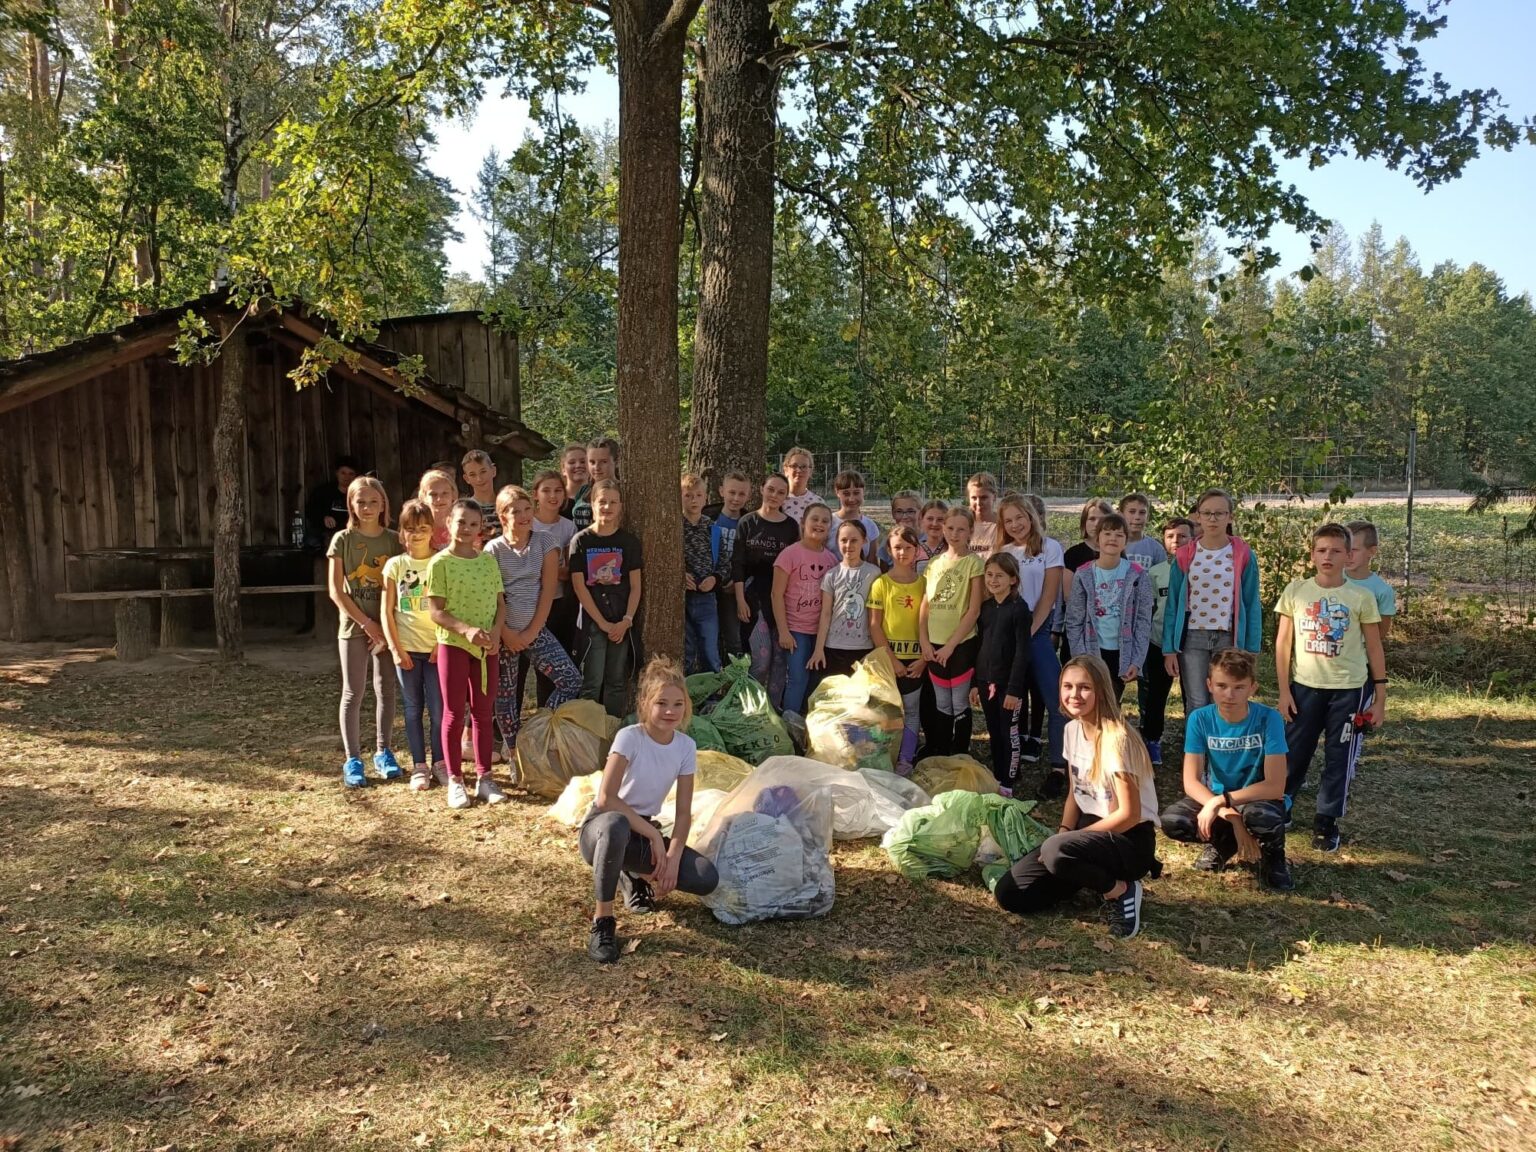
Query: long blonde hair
(1034,544)
(1119,745)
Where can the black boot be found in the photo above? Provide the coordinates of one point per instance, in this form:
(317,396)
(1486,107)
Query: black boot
(1275,870)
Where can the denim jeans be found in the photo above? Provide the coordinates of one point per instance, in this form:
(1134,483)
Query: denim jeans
(701,632)
(421,693)
(1195,664)
(605,668)
(1045,671)
(798,676)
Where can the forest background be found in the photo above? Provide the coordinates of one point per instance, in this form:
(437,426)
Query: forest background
(1030,250)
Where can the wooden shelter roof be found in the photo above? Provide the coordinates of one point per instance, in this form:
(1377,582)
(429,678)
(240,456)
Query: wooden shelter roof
(29,378)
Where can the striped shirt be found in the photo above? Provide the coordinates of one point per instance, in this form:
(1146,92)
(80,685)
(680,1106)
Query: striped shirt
(522,574)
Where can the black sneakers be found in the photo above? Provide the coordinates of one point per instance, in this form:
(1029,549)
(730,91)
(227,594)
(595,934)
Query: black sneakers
(603,943)
(638,894)
(1212,859)
(1030,752)
(1275,870)
(1325,834)
(1125,912)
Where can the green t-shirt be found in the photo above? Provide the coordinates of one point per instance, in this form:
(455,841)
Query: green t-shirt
(948,582)
(1329,645)
(413,620)
(362,566)
(470,589)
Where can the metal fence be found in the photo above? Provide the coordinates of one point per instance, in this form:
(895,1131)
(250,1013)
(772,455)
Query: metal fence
(1065,470)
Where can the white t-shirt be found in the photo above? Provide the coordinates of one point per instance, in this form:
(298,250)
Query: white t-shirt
(1032,569)
(1211,584)
(1100,803)
(983,537)
(562,530)
(653,768)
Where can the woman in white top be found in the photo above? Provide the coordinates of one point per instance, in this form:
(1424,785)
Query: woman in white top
(620,837)
(1108,835)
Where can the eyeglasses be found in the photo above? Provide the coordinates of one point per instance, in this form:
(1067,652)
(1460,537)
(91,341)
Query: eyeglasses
(795,468)
(904,513)
(1213,513)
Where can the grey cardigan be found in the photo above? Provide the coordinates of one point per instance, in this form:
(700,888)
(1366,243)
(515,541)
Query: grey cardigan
(1135,617)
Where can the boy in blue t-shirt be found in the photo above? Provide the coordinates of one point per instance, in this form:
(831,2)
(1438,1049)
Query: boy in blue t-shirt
(1234,770)
(735,491)
(1363,547)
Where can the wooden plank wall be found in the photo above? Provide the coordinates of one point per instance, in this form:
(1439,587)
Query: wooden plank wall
(125,460)
(459,351)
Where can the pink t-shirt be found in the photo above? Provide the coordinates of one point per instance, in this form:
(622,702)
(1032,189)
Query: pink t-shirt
(802,594)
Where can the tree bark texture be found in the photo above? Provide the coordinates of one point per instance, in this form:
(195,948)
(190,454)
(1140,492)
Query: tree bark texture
(175,611)
(229,504)
(729,427)
(135,638)
(649,36)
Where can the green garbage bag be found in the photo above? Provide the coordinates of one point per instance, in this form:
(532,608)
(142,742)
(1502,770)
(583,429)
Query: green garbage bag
(941,839)
(706,735)
(738,707)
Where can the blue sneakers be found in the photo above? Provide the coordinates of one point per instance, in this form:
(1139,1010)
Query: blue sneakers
(384,764)
(352,773)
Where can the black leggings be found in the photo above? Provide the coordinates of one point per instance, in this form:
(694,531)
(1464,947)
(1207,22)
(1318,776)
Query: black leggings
(611,846)
(1072,860)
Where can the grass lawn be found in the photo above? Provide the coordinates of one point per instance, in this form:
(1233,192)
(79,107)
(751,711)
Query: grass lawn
(210,944)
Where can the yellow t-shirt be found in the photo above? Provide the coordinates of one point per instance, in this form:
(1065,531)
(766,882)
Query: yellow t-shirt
(948,583)
(470,588)
(413,622)
(1329,645)
(898,604)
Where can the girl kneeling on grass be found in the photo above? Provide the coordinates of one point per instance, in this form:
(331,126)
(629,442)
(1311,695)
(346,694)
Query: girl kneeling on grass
(464,593)
(1108,834)
(620,837)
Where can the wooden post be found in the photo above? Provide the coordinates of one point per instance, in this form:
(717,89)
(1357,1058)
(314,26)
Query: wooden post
(16,544)
(135,641)
(229,505)
(175,611)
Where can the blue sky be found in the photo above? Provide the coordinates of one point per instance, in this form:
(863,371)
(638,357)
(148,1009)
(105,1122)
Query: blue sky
(1487,216)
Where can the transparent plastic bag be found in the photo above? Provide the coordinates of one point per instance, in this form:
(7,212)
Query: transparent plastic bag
(855,721)
(553,747)
(769,841)
(705,802)
(580,792)
(937,774)
(864,803)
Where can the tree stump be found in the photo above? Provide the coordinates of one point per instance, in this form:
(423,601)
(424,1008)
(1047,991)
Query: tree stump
(175,611)
(135,640)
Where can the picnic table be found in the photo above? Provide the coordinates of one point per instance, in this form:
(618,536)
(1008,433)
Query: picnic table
(173,571)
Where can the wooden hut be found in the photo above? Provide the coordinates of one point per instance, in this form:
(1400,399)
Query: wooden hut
(106,457)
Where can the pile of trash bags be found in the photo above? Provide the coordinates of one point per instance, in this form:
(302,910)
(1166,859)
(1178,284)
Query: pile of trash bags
(770,839)
(553,747)
(715,776)
(733,708)
(855,721)
(960,829)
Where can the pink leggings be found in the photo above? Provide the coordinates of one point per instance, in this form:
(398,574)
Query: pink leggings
(459,673)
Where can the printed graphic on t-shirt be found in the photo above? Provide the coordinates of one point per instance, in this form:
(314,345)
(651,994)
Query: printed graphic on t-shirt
(1107,595)
(411,589)
(604,565)
(805,583)
(953,581)
(1323,625)
(1246,742)
(369,573)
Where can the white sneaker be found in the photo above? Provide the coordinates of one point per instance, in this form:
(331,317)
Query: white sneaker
(421,778)
(487,791)
(457,796)
(440,773)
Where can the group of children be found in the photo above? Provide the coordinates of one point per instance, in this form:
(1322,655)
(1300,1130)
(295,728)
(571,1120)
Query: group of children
(976,605)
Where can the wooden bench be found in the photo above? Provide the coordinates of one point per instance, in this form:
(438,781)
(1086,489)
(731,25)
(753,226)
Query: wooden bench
(131,615)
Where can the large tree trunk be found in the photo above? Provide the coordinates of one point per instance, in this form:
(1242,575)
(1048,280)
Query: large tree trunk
(229,506)
(730,355)
(649,35)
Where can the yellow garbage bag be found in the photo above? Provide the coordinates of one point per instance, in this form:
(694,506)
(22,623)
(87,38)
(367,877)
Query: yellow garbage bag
(855,721)
(571,808)
(552,747)
(719,770)
(936,774)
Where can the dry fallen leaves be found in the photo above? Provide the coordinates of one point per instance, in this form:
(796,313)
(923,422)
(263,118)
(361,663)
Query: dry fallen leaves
(877,1126)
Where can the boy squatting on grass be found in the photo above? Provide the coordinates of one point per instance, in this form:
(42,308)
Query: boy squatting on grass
(1234,771)
(1333,677)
